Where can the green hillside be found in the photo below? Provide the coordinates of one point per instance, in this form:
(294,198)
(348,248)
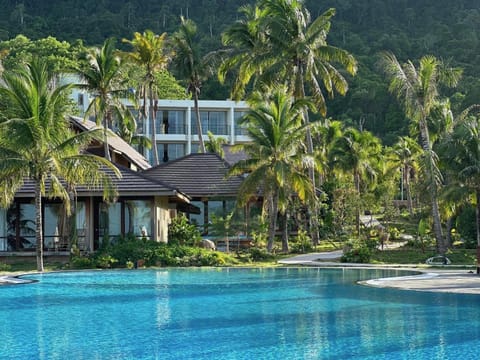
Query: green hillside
(444,28)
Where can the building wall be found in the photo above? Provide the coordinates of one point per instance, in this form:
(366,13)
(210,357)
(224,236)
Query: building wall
(162,219)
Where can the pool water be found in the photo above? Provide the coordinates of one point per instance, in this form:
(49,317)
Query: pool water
(280,313)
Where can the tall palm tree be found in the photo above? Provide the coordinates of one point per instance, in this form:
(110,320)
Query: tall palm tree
(37,143)
(102,77)
(461,152)
(149,51)
(405,155)
(190,65)
(358,152)
(417,89)
(278,42)
(276,158)
(285,46)
(247,50)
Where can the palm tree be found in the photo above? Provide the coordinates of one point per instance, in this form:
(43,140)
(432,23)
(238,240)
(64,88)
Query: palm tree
(102,77)
(461,152)
(285,46)
(191,66)
(214,145)
(149,52)
(277,161)
(247,50)
(278,42)
(405,155)
(358,152)
(37,143)
(417,90)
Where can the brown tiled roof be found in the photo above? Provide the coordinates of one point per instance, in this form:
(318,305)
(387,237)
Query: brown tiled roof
(131,183)
(115,142)
(233,156)
(198,175)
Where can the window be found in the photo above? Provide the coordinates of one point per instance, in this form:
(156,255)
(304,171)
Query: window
(138,218)
(169,151)
(239,130)
(126,217)
(53,225)
(214,121)
(109,223)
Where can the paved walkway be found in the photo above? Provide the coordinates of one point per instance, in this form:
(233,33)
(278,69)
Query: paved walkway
(447,279)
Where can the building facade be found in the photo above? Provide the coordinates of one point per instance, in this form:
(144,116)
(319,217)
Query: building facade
(176,127)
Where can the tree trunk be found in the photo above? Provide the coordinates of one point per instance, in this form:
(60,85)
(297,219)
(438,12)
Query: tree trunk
(272,214)
(356,176)
(437,225)
(106,149)
(153,125)
(38,225)
(313,219)
(284,222)
(408,189)
(199,123)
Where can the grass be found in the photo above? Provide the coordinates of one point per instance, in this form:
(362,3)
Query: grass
(465,257)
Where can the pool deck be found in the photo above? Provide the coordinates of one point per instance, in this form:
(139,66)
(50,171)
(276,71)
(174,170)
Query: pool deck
(447,278)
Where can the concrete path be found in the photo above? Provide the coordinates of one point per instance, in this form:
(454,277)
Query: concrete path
(448,279)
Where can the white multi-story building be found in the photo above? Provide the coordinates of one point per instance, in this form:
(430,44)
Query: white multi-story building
(176,124)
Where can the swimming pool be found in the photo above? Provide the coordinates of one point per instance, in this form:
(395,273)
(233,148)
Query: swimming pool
(278,313)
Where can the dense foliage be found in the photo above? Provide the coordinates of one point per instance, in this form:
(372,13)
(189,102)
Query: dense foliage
(410,29)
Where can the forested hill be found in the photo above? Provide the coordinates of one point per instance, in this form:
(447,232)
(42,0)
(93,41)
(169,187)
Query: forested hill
(410,28)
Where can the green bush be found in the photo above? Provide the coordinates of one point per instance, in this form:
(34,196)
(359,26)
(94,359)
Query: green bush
(4,267)
(357,252)
(181,232)
(302,243)
(129,251)
(81,262)
(259,254)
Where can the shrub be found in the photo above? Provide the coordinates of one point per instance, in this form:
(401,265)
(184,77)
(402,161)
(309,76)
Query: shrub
(81,262)
(259,254)
(302,244)
(4,267)
(356,252)
(181,232)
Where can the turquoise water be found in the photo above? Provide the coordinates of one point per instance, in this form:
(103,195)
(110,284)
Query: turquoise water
(199,314)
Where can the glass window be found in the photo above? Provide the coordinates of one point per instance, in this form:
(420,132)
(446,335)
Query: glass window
(168,152)
(27,226)
(81,226)
(197,219)
(174,122)
(52,223)
(217,122)
(214,121)
(110,218)
(239,130)
(138,218)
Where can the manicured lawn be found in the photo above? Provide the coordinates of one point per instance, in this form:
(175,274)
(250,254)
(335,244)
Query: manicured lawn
(416,256)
